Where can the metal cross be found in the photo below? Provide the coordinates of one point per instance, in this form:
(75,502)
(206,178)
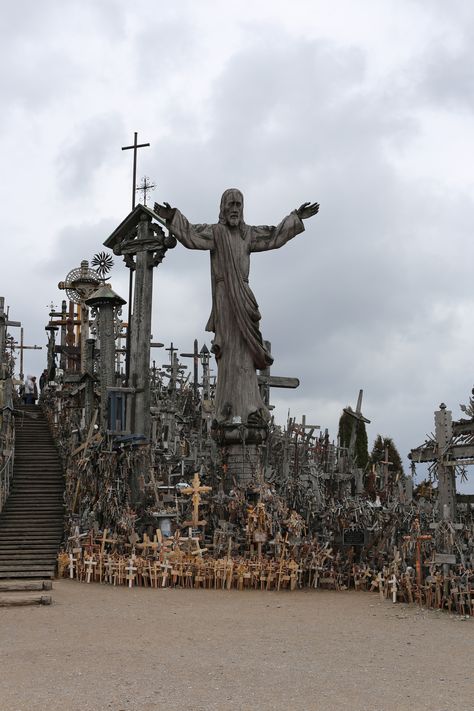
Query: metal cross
(135,147)
(145,187)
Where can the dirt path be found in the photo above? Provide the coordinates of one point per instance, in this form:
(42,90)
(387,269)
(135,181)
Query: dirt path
(99,647)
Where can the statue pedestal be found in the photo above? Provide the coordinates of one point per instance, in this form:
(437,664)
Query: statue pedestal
(240,452)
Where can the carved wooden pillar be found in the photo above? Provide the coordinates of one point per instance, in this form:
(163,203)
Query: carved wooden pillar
(140,238)
(106,302)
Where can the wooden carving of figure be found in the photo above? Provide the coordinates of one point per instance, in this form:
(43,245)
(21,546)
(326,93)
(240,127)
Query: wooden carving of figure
(235,317)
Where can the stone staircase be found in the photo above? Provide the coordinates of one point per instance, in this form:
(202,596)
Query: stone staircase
(31,523)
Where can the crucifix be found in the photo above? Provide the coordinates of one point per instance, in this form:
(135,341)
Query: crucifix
(145,187)
(196,489)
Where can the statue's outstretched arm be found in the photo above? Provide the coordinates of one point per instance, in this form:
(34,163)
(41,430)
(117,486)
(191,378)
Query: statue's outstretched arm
(191,236)
(165,211)
(307,210)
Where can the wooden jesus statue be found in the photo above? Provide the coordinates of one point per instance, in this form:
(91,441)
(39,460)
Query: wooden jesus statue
(235,318)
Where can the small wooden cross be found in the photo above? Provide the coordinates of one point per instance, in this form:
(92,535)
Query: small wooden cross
(72,565)
(110,568)
(90,563)
(166,568)
(131,572)
(393,582)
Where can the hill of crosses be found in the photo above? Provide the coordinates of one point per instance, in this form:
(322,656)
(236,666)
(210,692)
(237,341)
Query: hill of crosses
(177,474)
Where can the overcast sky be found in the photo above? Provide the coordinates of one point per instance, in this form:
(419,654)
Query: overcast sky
(365,107)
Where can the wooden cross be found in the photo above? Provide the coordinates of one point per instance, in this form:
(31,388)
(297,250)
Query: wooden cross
(417,537)
(131,574)
(300,429)
(357,417)
(90,563)
(105,540)
(110,567)
(195,356)
(175,368)
(135,146)
(72,565)
(196,489)
(166,568)
(267,381)
(393,582)
(386,463)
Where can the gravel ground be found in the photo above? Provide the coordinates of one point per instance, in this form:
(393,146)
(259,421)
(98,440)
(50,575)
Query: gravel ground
(98,648)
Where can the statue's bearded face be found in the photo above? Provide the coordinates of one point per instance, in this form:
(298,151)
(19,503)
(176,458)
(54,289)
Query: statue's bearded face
(233,209)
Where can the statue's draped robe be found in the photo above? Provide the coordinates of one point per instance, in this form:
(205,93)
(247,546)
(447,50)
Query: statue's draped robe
(235,317)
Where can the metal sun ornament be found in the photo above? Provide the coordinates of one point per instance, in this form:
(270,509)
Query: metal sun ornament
(103,263)
(80,275)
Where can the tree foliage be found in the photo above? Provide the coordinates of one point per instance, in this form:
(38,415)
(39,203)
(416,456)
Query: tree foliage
(378,454)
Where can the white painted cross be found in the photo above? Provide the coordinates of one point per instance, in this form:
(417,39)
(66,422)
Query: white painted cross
(72,565)
(130,572)
(394,586)
(90,563)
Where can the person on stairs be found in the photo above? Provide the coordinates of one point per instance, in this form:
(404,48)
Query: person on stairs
(29,391)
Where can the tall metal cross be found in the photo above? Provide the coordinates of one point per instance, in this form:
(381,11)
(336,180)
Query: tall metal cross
(135,147)
(145,187)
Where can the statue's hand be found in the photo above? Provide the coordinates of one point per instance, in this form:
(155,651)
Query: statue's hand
(164,211)
(307,210)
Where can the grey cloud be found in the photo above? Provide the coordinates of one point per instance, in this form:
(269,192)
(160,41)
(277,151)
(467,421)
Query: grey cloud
(38,67)
(91,147)
(74,243)
(446,77)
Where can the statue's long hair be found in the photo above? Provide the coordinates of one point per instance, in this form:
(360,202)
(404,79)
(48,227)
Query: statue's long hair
(222,220)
